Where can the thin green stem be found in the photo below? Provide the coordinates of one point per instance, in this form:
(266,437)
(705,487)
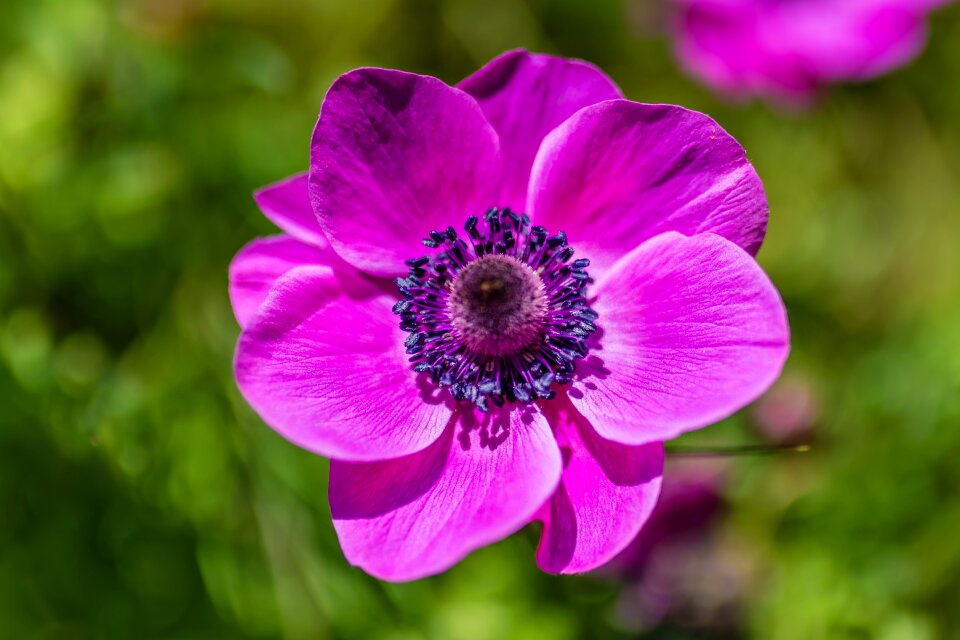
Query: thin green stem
(739,450)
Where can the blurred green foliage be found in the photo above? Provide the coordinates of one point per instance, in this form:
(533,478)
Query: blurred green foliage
(142,498)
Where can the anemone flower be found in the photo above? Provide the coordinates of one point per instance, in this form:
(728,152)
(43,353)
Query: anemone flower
(787,50)
(463,370)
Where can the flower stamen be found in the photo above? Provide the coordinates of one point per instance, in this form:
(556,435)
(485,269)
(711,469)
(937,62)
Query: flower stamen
(499,316)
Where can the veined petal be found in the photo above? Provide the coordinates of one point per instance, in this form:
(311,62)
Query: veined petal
(323,363)
(259,264)
(620,172)
(691,330)
(525,96)
(394,156)
(415,516)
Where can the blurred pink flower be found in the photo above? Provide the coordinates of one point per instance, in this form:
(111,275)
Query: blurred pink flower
(506,384)
(788,49)
(788,411)
(671,569)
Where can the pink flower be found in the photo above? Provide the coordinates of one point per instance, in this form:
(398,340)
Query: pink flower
(788,49)
(788,412)
(671,569)
(506,382)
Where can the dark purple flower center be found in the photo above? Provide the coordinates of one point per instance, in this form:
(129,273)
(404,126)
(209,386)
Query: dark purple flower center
(499,316)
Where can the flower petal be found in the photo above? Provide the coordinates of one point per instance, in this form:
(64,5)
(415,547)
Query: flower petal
(525,96)
(691,330)
(257,266)
(394,156)
(418,515)
(323,363)
(287,205)
(620,172)
(860,40)
(607,493)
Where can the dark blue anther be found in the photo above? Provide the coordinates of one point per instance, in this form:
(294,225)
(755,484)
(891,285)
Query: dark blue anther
(521,391)
(414,339)
(544,381)
(488,387)
(578,331)
(558,240)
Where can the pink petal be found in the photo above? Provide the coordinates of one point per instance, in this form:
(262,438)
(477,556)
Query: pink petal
(258,265)
(858,42)
(394,156)
(607,493)
(287,205)
(691,330)
(323,363)
(418,515)
(620,172)
(525,96)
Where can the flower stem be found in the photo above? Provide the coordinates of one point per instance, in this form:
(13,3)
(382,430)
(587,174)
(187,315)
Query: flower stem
(740,450)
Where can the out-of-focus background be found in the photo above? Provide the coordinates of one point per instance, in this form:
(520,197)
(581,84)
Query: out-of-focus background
(141,498)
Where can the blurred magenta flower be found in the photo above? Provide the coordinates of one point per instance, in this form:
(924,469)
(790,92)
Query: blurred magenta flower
(671,569)
(788,412)
(788,49)
(505,383)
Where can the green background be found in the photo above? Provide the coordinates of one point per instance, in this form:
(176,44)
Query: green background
(141,497)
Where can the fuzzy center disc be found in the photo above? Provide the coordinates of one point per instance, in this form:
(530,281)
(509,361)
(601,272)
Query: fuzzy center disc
(497,305)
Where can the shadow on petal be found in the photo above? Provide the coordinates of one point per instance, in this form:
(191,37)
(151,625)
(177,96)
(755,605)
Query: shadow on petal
(371,489)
